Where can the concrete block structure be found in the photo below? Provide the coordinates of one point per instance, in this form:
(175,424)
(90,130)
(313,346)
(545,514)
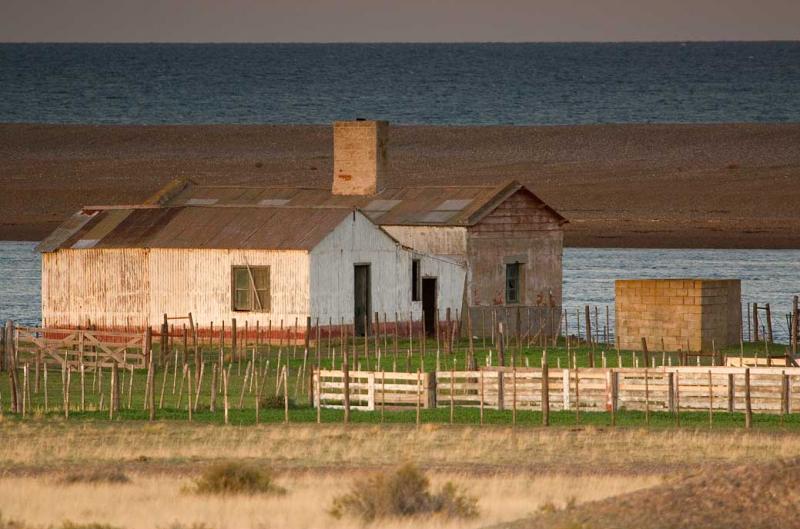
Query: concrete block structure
(687,314)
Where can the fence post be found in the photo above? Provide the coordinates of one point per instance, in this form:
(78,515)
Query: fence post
(371,391)
(318,393)
(6,344)
(769,322)
(545,392)
(784,394)
(514,397)
(471,366)
(11,366)
(501,347)
(577,396)
(163,342)
(307,341)
(346,386)
(794,324)
(224,391)
(755,322)
(212,404)
(500,389)
(646,395)
(419,393)
(430,384)
(148,344)
(748,409)
(452,393)
(234,342)
(588,325)
(671,392)
(151,395)
(480,390)
(731,393)
(710,399)
(285,396)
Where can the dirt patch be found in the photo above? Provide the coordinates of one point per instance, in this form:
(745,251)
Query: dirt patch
(723,186)
(740,497)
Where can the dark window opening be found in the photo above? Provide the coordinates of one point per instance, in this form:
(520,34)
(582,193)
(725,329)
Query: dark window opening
(250,285)
(415,280)
(513,283)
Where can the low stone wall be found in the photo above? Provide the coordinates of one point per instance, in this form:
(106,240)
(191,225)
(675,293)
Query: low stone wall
(687,314)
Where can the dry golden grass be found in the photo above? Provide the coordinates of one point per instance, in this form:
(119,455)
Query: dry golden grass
(512,473)
(307,446)
(148,502)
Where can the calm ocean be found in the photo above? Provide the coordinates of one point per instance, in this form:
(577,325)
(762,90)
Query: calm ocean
(406,83)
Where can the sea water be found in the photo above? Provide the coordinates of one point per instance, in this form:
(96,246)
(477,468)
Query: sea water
(483,84)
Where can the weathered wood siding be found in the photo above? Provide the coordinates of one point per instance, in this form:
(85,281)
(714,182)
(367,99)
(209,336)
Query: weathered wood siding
(521,228)
(199,281)
(106,288)
(358,241)
(447,241)
(133,288)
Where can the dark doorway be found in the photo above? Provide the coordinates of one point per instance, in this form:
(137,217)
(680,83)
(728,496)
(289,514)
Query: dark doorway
(363,299)
(429,303)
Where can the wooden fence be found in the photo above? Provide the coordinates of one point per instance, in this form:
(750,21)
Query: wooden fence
(368,388)
(771,390)
(73,348)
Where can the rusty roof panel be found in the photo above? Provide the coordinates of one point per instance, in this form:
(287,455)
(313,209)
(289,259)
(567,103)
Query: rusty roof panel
(65,231)
(197,216)
(398,205)
(211,227)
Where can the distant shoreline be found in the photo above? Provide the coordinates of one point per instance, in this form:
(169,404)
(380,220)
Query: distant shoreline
(622,186)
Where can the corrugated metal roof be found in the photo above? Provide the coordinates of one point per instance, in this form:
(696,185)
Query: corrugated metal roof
(206,227)
(65,231)
(186,215)
(422,205)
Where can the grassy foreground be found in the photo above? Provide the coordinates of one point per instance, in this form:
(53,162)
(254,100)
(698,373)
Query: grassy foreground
(512,472)
(172,387)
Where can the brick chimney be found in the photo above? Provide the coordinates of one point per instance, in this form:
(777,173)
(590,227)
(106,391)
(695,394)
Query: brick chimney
(359,156)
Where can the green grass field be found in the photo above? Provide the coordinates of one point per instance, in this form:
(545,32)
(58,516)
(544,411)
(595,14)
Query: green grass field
(173,405)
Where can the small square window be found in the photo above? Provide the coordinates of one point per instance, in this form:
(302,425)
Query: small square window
(250,288)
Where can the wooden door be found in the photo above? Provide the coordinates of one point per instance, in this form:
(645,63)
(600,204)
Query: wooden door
(363,298)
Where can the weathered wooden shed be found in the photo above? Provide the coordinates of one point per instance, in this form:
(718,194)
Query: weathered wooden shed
(124,268)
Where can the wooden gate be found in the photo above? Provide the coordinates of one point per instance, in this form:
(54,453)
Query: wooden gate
(73,347)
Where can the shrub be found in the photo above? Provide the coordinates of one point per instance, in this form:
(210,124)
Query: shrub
(180,525)
(236,478)
(92,525)
(402,493)
(98,475)
(275,402)
(5,523)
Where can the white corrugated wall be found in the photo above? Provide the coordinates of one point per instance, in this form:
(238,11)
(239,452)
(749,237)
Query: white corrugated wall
(358,241)
(107,288)
(199,281)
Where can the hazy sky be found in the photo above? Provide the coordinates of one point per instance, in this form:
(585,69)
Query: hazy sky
(396,21)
